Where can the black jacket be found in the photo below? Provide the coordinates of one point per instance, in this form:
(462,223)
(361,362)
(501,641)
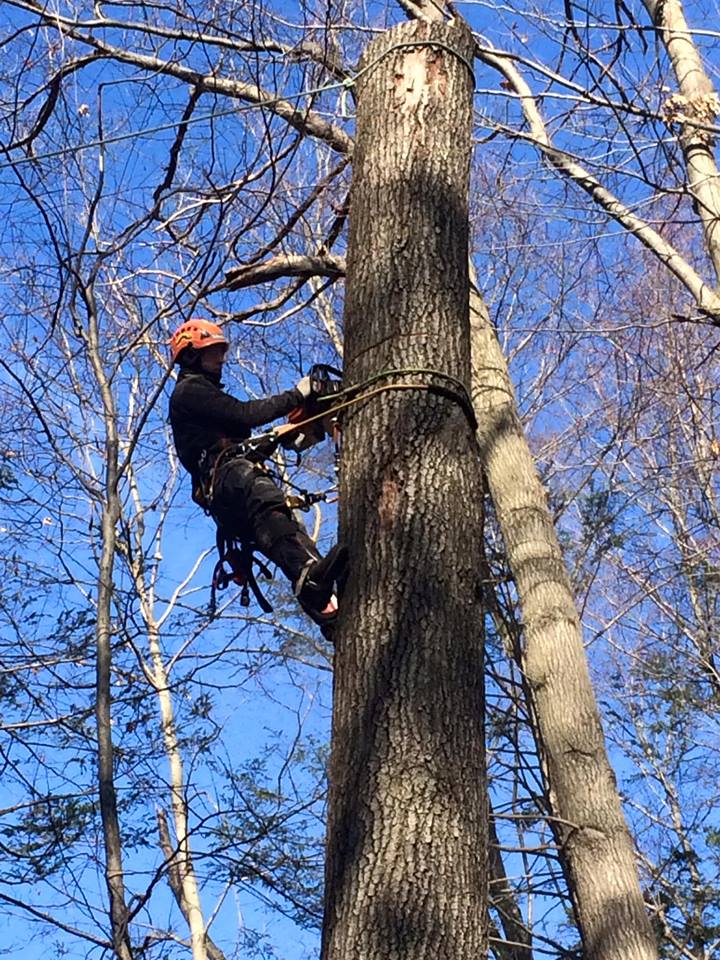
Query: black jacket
(204,417)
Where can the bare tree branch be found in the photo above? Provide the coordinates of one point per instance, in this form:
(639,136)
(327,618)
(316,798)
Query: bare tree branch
(53,87)
(706,297)
(53,921)
(697,101)
(306,120)
(285,265)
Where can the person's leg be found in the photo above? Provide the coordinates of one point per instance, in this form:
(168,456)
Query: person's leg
(283,541)
(246,499)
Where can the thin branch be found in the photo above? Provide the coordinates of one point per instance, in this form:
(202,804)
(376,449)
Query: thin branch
(49,918)
(53,86)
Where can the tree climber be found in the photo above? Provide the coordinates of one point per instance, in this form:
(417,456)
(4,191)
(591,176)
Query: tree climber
(209,427)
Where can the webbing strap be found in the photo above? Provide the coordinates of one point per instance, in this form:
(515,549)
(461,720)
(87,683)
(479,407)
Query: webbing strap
(239,556)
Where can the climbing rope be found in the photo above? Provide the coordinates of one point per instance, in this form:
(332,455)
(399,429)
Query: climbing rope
(358,393)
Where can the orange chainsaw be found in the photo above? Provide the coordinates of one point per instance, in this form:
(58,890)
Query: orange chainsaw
(314,420)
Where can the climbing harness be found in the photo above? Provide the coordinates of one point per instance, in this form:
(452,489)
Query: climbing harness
(252,450)
(236,555)
(239,557)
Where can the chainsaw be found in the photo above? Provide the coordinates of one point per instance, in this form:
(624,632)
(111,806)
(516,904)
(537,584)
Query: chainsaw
(297,434)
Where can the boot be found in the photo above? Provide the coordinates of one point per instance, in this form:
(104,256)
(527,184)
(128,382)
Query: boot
(315,586)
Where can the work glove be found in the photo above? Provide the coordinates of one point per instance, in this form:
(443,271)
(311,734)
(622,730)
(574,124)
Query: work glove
(306,387)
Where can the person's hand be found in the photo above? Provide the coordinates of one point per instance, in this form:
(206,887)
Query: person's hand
(305,388)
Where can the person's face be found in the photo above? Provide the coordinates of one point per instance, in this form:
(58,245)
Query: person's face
(212,358)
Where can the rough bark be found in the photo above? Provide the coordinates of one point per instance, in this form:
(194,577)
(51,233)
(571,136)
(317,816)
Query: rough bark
(406,872)
(597,850)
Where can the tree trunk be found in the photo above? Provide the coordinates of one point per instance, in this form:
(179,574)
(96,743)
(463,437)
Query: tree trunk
(182,863)
(114,876)
(406,871)
(695,106)
(596,848)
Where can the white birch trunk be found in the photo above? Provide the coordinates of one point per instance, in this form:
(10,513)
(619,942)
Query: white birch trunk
(696,105)
(183,858)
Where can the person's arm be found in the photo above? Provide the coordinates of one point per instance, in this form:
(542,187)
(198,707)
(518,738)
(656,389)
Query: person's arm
(235,416)
(256,413)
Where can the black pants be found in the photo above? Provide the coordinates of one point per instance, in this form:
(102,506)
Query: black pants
(249,505)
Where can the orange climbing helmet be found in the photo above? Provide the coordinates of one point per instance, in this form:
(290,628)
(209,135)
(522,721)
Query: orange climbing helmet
(198,334)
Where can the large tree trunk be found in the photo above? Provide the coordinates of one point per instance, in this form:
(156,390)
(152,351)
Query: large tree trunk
(596,848)
(406,861)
